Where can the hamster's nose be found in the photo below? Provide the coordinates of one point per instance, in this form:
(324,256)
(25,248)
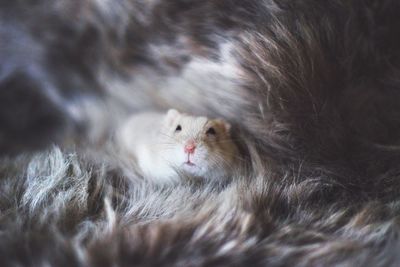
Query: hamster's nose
(190,147)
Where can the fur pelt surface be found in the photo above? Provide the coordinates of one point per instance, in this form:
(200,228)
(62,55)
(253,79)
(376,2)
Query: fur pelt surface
(311,88)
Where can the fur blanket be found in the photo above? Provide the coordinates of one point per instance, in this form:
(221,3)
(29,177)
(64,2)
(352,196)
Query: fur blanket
(311,87)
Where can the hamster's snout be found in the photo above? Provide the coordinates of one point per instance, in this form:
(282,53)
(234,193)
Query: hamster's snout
(190,146)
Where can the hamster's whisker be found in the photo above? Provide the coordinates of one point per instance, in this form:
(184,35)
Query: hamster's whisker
(219,161)
(235,156)
(167,144)
(168,162)
(219,164)
(228,139)
(166,148)
(175,140)
(167,135)
(224,141)
(230,163)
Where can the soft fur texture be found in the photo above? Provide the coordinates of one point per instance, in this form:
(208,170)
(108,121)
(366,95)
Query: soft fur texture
(171,146)
(310,87)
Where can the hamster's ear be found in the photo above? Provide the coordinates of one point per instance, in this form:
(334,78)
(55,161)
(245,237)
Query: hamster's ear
(226,125)
(171,115)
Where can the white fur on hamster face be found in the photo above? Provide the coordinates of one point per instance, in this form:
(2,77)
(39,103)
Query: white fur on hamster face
(196,145)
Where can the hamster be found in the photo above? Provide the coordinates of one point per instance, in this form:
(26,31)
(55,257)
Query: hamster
(172,145)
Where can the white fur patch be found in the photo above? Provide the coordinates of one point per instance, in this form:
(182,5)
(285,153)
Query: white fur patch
(201,84)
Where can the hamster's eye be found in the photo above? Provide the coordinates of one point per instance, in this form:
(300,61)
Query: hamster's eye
(178,128)
(211,131)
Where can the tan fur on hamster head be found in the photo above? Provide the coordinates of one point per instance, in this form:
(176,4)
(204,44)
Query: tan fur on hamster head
(199,145)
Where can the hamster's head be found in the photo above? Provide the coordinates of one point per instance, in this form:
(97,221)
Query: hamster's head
(197,146)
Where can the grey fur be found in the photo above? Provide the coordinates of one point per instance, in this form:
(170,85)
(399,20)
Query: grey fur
(310,87)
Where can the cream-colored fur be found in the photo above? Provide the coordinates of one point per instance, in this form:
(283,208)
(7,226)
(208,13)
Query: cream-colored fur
(153,140)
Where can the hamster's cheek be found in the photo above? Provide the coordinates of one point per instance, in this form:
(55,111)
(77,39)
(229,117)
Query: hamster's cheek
(175,157)
(216,161)
(201,155)
(180,157)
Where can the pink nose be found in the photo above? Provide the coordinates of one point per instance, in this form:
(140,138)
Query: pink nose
(190,147)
